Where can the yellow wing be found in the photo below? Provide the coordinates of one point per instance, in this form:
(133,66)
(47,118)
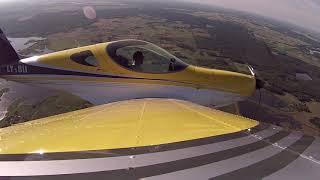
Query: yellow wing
(156,139)
(124,124)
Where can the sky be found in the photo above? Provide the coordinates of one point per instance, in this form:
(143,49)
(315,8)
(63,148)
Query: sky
(305,13)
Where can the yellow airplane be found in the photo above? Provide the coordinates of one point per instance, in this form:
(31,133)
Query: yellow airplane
(152,129)
(110,72)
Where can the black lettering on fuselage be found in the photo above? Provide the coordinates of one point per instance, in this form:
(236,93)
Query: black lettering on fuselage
(19,69)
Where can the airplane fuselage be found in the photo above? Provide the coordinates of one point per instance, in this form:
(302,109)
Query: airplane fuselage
(101,74)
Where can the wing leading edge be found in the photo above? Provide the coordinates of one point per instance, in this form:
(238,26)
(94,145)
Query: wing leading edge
(156,139)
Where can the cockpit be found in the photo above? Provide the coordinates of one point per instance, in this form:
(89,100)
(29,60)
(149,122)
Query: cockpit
(145,57)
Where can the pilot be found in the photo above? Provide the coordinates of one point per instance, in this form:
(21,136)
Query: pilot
(138,60)
(172,64)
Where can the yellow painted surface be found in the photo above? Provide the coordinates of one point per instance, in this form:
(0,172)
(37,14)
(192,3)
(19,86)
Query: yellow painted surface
(62,59)
(202,78)
(124,124)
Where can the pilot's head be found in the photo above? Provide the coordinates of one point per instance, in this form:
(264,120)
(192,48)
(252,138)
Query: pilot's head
(138,58)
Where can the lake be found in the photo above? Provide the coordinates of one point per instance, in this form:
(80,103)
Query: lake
(303,76)
(22,43)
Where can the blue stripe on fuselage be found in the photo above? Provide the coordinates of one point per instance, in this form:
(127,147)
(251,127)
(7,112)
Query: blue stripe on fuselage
(25,69)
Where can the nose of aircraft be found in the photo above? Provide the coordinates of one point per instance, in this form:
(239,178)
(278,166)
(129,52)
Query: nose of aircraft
(227,81)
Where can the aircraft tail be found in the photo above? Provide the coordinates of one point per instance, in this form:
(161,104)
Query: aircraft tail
(7,53)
